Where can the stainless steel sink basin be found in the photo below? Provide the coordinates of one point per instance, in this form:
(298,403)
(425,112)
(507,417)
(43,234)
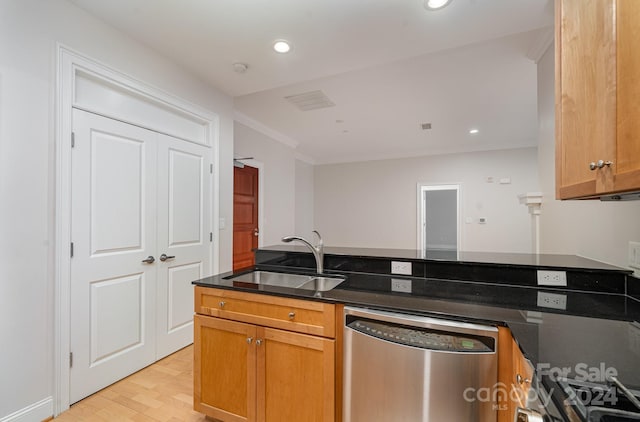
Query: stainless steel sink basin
(294,281)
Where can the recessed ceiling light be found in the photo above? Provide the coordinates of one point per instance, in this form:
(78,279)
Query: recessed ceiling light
(435,4)
(473,131)
(281,46)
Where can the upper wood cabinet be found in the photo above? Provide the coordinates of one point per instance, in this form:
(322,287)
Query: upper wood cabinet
(597,97)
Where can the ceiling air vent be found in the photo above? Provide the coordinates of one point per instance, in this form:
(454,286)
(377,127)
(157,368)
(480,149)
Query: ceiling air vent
(310,100)
(426,126)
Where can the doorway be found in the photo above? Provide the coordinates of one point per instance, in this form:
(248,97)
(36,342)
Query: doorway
(140,201)
(439,218)
(172,144)
(246,204)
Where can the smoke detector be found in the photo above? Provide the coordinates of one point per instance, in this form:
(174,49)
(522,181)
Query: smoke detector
(240,67)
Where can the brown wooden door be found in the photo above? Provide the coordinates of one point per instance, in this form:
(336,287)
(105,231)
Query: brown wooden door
(245,216)
(295,380)
(224,372)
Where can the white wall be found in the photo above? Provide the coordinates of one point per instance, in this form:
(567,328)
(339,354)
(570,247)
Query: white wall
(304,199)
(29,30)
(593,229)
(374,203)
(279,167)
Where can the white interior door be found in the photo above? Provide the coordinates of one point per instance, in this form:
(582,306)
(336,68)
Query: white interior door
(113,292)
(136,195)
(183,237)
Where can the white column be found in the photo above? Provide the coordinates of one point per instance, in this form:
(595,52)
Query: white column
(533,200)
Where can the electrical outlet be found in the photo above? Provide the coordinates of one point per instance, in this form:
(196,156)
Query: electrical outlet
(552,278)
(399,267)
(552,300)
(399,285)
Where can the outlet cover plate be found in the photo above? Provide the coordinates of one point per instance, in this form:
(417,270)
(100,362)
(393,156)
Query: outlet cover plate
(552,300)
(552,278)
(400,285)
(400,267)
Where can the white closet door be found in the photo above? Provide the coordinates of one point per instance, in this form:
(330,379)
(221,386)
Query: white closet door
(113,293)
(183,236)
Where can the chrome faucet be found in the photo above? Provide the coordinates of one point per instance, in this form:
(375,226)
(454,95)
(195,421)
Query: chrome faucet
(317,250)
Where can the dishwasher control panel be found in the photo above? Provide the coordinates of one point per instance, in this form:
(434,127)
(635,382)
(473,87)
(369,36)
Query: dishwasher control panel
(422,338)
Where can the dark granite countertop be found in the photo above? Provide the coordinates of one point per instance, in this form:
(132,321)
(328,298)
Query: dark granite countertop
(593,330)
(492,258)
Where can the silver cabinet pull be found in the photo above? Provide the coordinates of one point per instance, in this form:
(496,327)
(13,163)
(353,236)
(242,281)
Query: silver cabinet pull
(164,257)
(222,303)
(521,380)
(292,315)
(600,164)
(149,260)
(259,342)
(249,340)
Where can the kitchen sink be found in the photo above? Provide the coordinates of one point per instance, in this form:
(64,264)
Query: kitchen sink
(295,281)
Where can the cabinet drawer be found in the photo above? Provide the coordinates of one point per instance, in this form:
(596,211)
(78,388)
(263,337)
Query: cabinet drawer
(303,316)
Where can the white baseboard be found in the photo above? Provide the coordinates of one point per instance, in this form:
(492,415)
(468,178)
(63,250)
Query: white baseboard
(34,413)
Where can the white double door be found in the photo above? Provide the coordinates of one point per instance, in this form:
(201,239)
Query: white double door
(140,233)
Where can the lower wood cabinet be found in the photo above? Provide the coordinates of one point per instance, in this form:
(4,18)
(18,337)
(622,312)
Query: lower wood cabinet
(515,374)
(250,372)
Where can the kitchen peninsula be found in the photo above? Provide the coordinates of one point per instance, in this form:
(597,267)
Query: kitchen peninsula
(592,322)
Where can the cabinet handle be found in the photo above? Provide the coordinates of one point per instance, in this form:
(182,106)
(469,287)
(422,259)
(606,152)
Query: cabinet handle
(292,315)
(521,380)
(249,340)
(600,164)
(222,303)
(258,342)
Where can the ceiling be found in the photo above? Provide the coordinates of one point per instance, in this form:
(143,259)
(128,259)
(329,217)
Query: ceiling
(387,65)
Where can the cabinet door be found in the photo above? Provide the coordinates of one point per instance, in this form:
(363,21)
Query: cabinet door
(585,96)
(295,377)
(627,158)
(224,369)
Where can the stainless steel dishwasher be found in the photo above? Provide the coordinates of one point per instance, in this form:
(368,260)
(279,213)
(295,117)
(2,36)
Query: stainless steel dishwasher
(408,368)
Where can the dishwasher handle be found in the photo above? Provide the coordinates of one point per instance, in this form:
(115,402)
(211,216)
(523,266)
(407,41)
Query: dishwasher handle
(440,324)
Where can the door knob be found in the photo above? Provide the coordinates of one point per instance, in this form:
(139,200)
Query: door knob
(256,232)
(164,257)
(150,260)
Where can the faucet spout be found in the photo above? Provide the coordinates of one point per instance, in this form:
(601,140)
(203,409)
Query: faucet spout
(317,250)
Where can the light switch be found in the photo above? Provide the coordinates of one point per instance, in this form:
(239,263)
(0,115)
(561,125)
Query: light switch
(223,224)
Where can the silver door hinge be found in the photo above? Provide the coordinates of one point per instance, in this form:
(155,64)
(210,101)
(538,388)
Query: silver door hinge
(210,236)
(71,250)
(73,139)
(211,168)
(70,359)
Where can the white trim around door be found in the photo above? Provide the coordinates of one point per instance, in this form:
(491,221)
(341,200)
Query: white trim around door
(421,223)
(82,82)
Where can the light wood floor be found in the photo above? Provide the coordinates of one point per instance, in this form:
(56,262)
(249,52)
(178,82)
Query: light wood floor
(162,392)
